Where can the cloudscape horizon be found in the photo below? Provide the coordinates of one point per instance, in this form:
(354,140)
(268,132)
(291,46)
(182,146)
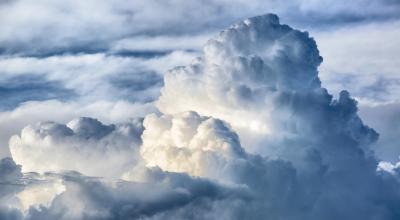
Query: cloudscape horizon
(126,114)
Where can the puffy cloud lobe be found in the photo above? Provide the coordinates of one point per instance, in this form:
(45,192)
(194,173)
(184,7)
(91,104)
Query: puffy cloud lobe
(207,147)
(390,168)
(84,144)
(187,142)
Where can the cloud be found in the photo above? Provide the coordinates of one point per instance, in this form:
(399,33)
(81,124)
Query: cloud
(112,88)
(92,76)
(129,37)
(361,64)
(385,119)
(39,190)
(11,122)
(10,176)
(169,195)
(261,77)
(10,181)
(71,24)
(244,132)
(90,144)
(21,88)
(187,142)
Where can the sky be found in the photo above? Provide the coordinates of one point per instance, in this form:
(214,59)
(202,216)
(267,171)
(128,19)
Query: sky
(209,109)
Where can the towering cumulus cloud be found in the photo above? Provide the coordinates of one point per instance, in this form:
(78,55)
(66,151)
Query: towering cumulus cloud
(244,132)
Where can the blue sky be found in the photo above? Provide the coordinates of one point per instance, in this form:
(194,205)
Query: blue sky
(122,64)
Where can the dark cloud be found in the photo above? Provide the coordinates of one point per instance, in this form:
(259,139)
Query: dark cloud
(10,177)
(97,199)
(141,54)
(10,183)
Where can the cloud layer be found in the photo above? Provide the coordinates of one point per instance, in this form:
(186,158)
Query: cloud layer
(74,27)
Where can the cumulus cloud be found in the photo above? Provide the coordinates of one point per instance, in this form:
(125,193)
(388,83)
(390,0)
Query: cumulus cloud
(261,71)
(84,145)
(262,78)
(11,122)
(232,54)
(187,142)
(244,132)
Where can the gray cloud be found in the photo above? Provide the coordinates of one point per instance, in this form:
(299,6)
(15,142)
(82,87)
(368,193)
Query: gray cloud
(386,120)
(88,198)
(74,30)
(10,177)
(10,183)
(15,90)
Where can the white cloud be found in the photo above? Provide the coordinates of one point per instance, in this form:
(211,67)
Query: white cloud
(84,145)
(187,142)
(11,122)
(244,72)
(323,147)
(40,192)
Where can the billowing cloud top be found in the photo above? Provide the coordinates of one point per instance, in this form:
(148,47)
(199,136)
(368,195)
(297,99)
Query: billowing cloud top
(262,78)
(244,132)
